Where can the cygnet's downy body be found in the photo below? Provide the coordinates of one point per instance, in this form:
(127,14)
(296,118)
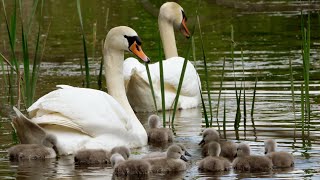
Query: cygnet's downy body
(156,134)
(228,148)
(247,162)
(279,159)
(213,162)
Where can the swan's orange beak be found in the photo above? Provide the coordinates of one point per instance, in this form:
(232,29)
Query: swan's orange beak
(184,29)
(137,50)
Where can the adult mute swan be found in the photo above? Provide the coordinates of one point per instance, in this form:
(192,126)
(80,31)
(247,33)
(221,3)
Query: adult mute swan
(171,16)
(83,118)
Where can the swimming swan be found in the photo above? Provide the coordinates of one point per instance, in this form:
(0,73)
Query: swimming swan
(83,118)
(171,16)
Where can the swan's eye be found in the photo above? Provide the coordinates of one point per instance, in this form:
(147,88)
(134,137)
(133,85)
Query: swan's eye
(184,16)
(132,39)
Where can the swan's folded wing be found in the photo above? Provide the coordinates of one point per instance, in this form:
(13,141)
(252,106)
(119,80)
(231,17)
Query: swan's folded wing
(131,66)
(90,111)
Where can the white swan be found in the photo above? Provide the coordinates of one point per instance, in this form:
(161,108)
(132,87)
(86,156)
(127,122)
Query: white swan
(83,118)
(171,16)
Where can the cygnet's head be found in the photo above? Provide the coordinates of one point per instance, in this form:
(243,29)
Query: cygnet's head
(173,13)
(243,150)
(123,38)
(269,146)
(214,149)
(122,150)
(51,142)
(175,152)
(184,149)
(154,121)
(209,135)
(116,158)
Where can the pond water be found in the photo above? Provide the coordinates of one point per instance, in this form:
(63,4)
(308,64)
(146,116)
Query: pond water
(268,33)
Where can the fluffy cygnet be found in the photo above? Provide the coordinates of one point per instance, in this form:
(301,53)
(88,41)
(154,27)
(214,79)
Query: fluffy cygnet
(247,162)
(124,167)
(213,162)
(228,148)
(279,159)
(34,151)
(156,134)
(164,154)
(173,162)
(99,156)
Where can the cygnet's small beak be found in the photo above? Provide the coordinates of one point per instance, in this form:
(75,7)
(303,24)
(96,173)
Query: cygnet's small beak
(184,158)
(184,29)
(201,142)
(187,153)
(137,50)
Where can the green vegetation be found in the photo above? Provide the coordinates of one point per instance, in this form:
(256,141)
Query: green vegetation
(86,61)
(22,84)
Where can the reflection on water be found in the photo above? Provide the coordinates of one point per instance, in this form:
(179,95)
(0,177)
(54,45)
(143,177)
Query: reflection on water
(269,35)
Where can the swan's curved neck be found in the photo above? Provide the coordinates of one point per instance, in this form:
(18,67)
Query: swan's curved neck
(168,38)
(113,60)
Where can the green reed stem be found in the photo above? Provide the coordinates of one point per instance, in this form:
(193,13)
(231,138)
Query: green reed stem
(86,61)
(11,36)
(224,118)
(184,66)
(244,94)
(151,87)
(306,64)
(220,87)
(254,96)
(205,71)
(302,112)
(199,85)
(163,100)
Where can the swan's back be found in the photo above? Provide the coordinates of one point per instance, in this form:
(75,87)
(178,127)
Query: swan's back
(87,110)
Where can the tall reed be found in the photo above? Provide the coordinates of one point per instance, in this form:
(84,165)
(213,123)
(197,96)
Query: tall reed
(163,100)
(30,76)
(86,61)
(151,87)
(205,71)
(220,87)
(238,98)
(306,64)
(244,94)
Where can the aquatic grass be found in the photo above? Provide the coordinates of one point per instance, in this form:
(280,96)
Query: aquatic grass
(244,94)
(184,66)
(151,86)
(101,61)
(220,86)
(238,98)
(302,113)
(224,118)
(11,31)
(206,72)
(86,61)
(305,34)
(163,100)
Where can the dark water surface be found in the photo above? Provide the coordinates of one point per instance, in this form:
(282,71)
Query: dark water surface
(269,34)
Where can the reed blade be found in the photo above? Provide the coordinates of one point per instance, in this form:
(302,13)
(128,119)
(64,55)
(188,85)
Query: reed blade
(86,61)
(184,66)
(220,88)
(163,100)
(206,72)
(244,94)
(151,87)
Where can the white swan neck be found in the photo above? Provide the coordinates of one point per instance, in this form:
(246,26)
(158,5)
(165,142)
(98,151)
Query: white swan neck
(113,60)
(168,38)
